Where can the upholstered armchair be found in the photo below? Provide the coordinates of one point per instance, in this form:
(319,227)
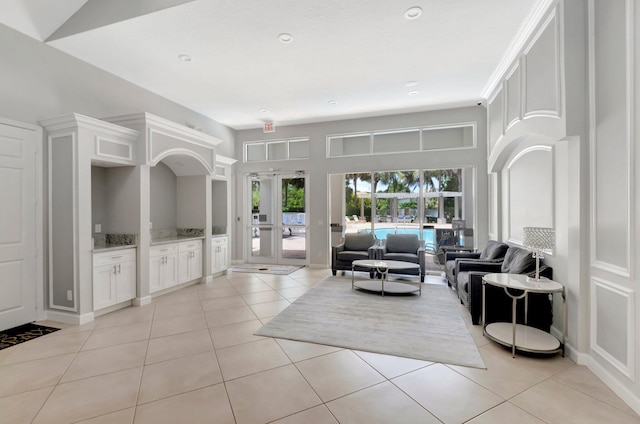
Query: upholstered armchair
(405,248)
(498,304)
(494,251)
(355,246)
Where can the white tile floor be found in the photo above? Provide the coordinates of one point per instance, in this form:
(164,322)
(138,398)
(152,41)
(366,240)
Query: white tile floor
(191,357)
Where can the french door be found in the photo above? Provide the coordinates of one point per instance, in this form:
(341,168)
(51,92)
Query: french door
(277,231)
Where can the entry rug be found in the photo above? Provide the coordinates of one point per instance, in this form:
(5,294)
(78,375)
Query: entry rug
(266,269)
(23,333)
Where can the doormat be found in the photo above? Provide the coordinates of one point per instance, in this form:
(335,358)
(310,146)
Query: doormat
(23,333)
(266,269)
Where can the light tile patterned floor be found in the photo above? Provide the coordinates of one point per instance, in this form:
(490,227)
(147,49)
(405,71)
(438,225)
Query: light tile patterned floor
(191,357)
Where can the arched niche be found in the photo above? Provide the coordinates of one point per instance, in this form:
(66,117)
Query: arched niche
(184,162)
(526,194)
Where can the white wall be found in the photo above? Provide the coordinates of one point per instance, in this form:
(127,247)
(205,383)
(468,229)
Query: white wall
(38,81)
(318,167)
(583,110)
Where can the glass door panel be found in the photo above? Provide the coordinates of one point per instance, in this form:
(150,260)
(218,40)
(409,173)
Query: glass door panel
(357,202)
(261,232)
(396,198)
(294,225)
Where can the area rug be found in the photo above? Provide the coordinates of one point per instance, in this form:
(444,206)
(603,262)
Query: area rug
(427,327)
(266,269)
(23,333)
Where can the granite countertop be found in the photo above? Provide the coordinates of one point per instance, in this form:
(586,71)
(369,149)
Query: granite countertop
(109,247)
(173,239)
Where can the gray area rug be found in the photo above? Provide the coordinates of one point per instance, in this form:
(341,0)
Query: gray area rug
(427,327)
(266,269)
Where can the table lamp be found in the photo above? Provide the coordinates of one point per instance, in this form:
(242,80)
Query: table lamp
(537,240)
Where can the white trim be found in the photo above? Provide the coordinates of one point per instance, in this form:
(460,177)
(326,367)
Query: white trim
(631,56)
(533,19)
(68,318)
(555,19)
(499,91)
(62,122)
(623,271)
(612,382)
(627,369)
(74,205)
(184,152)
(266,143)
(419,128)
(140,301)
(178,131)
(508,125)
(129,147)
(153,160)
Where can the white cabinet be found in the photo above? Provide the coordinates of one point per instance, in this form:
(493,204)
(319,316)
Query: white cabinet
(219,255)
(114,277)
(163,261)
(174,263)
(190,260)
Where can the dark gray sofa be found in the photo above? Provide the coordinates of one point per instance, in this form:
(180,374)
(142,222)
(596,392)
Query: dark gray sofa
(498,304)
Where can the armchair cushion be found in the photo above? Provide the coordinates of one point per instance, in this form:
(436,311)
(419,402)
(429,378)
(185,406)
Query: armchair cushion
(493,251)
(518,261)
(402,243)
(359,241)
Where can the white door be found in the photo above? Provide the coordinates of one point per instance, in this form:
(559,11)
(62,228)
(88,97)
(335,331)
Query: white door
(17,225)
(278,230)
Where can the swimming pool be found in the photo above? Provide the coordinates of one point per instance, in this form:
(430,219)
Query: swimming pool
(428,234)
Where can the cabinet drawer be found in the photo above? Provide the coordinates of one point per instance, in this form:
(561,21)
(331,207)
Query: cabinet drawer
(190,245)
(218,241)
(114,257)
(163,249)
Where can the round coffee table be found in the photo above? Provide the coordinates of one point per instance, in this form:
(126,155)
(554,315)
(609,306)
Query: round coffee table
(382,285)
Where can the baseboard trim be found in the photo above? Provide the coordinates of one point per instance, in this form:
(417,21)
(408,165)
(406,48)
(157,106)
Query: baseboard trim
(141,301)
(612,382)
(70,318)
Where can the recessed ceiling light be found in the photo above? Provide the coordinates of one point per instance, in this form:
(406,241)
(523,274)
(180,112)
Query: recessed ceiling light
(263,110)
(333,102)
(411,83)
(185,58)
(413,12)
(285,38)
(414,93)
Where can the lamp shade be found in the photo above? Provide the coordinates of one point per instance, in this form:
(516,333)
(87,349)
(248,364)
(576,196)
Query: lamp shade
(539,239)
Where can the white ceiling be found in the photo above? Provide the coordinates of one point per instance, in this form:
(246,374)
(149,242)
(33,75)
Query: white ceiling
(359,54)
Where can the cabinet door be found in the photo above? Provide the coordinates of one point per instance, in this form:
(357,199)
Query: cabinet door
(126,281)
(184,260)
(170,271)
(156,271)
(196,264)
(104,288)
(223,258)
